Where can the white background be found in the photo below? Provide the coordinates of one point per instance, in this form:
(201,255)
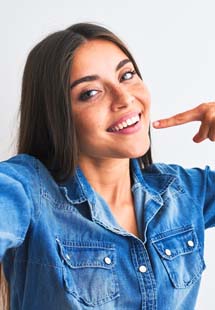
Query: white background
(174,45)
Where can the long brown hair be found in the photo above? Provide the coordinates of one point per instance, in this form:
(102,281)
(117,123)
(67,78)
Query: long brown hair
(4,291)
(46,126)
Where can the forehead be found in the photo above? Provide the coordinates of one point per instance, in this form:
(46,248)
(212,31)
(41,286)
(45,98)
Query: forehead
(94,56)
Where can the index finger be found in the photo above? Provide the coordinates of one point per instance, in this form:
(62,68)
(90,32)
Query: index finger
(179,119)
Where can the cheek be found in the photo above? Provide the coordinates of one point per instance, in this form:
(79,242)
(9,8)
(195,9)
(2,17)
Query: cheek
(88,124)
(142,94)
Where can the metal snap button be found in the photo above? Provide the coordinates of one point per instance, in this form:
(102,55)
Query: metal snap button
(190,243)
(107,260)
(142,268)
(168,252)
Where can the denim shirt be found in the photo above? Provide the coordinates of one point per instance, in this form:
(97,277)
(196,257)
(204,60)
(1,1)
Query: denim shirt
(62,248)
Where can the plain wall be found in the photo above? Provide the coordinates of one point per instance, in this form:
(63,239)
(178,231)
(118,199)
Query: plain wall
(174,45)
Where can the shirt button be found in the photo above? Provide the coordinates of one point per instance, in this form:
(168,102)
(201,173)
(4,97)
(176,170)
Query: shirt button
(107,260)
(142,268)
(190,243)
(168,252)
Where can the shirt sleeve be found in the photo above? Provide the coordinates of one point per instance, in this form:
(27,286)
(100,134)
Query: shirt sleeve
(200,186)
(209,203)
(15,205)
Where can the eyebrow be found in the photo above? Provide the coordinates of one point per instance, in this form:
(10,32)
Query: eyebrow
(96,77)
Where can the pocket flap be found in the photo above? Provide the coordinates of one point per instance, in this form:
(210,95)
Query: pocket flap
(87,254)
(172,245)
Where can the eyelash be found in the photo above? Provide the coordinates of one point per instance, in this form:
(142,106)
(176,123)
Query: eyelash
(85,96)
(133,72)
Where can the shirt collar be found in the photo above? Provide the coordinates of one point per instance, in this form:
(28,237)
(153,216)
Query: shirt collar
(148,186)
(77,189)
(151,180)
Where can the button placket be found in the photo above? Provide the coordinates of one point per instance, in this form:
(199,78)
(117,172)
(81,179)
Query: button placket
(145,274)
(142,269)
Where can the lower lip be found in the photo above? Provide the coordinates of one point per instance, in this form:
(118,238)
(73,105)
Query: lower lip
(129,130)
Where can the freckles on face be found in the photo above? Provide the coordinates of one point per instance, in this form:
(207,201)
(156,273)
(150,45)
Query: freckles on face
(106,90)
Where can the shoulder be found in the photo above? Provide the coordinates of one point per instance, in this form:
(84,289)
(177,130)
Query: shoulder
(29,173)
(32,175)
(26,170)
(176,170)
(20,167)
(191,178)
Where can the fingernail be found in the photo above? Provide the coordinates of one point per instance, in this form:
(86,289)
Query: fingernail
(156,124)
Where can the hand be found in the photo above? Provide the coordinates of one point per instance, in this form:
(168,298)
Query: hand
(205,113)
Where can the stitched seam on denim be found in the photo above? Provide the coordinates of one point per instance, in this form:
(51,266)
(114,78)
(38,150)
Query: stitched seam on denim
(169,182)
(150,276)
(195,276)
(58,205)
(156,198)
(181,229)
(83,190)
(173,195)
(196,202)
(111,228)
(93,265)
(88,247)
(112,295)
(153,283)
(85,247)
(177,253)
(40,189)
(80,244)
(81,199)
(140,280)
(99,302)
(46,196)
(29,194)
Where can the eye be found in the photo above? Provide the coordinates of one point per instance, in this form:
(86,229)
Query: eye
(128,75)
(88,94)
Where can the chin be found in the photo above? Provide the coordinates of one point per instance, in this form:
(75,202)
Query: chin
(140,150)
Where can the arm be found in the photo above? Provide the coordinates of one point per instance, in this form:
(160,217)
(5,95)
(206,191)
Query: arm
(15,204)
(204,179)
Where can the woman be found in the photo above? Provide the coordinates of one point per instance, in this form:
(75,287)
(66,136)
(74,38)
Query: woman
(87,222)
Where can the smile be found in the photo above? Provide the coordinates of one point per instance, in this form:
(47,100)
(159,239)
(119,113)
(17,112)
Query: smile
(125,123)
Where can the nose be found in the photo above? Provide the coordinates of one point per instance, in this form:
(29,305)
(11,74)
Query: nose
(120,98)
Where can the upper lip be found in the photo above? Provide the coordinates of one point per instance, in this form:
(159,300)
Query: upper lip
(124,118)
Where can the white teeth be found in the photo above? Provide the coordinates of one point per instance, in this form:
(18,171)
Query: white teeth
(128,122)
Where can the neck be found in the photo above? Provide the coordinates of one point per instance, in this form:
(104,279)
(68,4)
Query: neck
(110,178)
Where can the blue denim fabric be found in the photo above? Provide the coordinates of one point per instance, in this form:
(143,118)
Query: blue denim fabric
(62,248)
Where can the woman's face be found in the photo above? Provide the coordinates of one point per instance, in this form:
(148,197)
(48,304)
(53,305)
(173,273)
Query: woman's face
(110,103)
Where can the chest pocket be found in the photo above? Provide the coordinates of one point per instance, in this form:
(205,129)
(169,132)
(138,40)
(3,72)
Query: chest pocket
(89,271)
(180,253)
